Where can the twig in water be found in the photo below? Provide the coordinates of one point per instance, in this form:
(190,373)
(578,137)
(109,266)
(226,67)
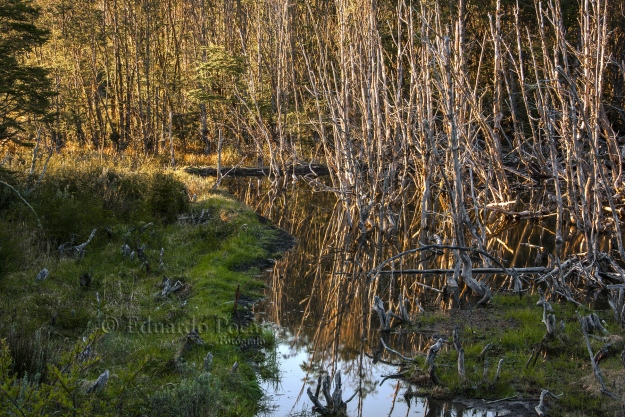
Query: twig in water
(396,352)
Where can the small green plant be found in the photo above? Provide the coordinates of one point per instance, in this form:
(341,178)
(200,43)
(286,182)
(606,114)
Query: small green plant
(64,390)
(194,397)
(166,197)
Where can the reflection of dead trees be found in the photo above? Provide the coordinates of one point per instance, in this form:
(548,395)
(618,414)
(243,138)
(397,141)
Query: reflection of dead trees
(335,406)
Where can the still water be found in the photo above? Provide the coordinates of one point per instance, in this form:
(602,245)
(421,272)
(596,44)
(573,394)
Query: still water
(318,297)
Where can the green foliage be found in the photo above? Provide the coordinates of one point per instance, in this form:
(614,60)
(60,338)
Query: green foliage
(166,197)
(66,215)
(42,319)
(562,365)
(220,72)
(25,89)
(63,392)
(193,397)
(71,202)
(30,351)
(10,255)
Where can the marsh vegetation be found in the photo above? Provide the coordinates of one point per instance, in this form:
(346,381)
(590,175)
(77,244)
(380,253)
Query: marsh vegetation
(153,305)
(462,141)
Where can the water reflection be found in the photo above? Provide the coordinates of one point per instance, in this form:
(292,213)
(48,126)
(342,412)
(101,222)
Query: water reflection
(319,294)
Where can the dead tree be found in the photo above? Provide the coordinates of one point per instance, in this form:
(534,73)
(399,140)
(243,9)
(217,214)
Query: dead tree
(429,360)
(385,316)
(193,338)
(458,346)
(335,406)
(77,251)
(43,274)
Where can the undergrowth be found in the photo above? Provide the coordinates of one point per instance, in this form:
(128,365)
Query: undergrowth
(102,309)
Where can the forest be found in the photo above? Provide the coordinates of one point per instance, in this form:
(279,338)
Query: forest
(388,95)
(442,121)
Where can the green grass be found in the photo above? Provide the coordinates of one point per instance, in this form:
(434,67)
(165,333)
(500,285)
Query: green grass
(137,335)
(513,328)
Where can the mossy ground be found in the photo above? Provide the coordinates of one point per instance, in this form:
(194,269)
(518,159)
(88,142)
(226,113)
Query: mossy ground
(135,333)
(513,328)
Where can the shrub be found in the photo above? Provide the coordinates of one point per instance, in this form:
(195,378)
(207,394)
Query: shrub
(65,212)
(10,255)
(194,396)
(167,197)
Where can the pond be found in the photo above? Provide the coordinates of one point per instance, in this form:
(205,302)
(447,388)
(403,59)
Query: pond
(318,298)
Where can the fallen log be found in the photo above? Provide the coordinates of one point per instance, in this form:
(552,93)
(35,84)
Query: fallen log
(526,214)
(467,271)
(169,288)
(312,169)
(482,271)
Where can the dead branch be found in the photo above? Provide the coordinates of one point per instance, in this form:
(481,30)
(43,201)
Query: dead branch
(481,271)
(396,352)
(385,316)
(335,406)
(25,202)
(168,288)
(585,322)
(540,408)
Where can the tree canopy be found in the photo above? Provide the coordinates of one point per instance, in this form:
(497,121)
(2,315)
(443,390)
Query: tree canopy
(25,89)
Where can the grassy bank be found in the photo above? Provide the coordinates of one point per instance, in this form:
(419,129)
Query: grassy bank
(511,329)
(103,308)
